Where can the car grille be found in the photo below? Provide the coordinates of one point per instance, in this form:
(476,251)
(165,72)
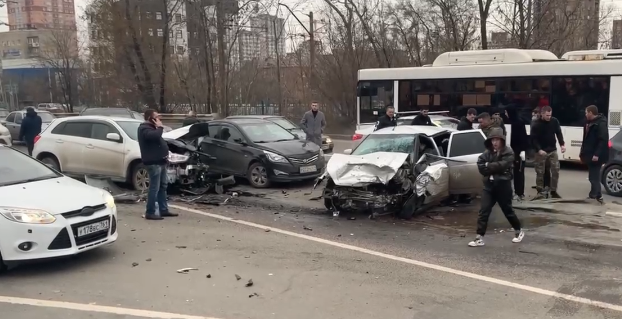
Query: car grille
(61,241)
(84,211)
(91,237)
(304,160)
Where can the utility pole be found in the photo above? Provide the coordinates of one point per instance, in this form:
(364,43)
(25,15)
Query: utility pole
(222,64)
(278,63)
(311,55)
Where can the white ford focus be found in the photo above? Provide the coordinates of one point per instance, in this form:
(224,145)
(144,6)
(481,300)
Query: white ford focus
(44,214)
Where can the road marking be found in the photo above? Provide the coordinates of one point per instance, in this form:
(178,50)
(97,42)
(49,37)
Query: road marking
(423,264)
(616,214)
(97,308)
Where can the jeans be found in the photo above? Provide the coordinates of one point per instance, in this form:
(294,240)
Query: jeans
(499,192)
(158,182)
(594,177)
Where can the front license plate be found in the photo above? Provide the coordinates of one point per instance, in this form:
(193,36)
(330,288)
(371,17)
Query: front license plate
(308,169)
(93,228)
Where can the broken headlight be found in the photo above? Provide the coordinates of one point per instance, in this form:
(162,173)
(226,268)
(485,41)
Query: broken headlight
(177,158)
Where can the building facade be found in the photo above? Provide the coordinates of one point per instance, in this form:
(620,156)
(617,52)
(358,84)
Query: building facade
(41,14)
(271,32)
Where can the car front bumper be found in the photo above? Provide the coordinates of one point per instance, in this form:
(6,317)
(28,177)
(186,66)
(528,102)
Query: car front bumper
(58,239)
(6,140)
(282,172)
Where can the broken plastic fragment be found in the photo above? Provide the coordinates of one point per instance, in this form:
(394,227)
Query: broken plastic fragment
(185,270)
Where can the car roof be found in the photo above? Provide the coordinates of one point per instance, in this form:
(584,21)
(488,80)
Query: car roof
(99,117)
(240,121)
(412,129)
(433,117)
(251,116)
(38,111)
(107,108)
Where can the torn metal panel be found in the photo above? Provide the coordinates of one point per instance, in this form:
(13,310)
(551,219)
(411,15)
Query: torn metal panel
(362,170)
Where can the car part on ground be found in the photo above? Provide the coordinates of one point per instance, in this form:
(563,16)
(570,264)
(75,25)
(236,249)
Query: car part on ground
(108,185)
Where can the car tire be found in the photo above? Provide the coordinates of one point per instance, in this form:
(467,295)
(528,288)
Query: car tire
(257,176)
(140,177)
(52,161)
(612,180)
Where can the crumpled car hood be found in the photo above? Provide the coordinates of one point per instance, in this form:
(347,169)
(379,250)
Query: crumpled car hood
(362,170)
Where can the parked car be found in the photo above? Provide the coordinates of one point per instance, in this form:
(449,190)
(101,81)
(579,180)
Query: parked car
(14,121)
(437,120)
(67,218)
(258,150)
(611,172)
(5,136)
(384,172)
(118,112)
(51,107)
(327,142)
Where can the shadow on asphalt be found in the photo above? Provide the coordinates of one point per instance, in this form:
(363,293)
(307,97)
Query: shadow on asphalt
(44,268)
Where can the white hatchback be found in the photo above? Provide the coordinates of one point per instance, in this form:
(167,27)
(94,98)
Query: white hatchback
(44,214)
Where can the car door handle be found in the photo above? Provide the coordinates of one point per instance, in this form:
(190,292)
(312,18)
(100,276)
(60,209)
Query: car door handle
(89,146)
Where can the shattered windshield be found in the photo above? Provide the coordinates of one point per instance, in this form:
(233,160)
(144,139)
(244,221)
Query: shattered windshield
(397,143)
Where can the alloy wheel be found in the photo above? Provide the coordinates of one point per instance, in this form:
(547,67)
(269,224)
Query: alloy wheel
(613,180)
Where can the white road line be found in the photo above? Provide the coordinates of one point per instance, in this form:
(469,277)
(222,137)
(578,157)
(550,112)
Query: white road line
(97,308)
(616,214)
(491,280)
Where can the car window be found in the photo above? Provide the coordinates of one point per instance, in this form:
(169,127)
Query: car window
(397,143)
(266,132)
(18,118)
(283,122)
(17,167)
(11,118)
(229,134)
(213,130)
(100,130)
(466,143)
(78,129)
(447,123)
(107,112)
(130,128)
(46,117)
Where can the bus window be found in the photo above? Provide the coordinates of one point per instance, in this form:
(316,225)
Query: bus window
(571,95)
(374,97)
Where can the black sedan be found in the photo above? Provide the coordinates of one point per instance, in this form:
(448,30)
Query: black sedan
(261,151)
(611,176)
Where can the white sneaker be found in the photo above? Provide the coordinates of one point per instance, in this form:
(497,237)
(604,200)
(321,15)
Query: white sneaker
(518,236)
(478,242)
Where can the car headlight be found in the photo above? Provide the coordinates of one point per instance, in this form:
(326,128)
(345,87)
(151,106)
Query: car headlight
(328,140)
(109,200)
(274,157)
(177,158)
(27,215)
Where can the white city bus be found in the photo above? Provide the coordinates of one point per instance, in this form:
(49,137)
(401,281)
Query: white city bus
(485,80)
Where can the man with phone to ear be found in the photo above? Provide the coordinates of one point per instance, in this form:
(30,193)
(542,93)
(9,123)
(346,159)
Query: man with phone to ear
(154,155)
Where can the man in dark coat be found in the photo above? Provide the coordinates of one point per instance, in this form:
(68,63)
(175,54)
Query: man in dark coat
(545,134)
(519,141)
(495,165)
(422,118)
(594,151)
(190,119)
(466,123)
(30,128)
(387,119)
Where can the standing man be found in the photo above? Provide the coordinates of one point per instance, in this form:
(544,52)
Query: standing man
(487,123)
(543,134)
(466,123)
(190,119)
(30,128)
(154,154)
(495,165)
(519,141)
(594,151)
(422,118)
(386,120)
(313,124)
(535,116)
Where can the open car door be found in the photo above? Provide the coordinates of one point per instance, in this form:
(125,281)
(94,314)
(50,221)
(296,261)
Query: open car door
(465,147)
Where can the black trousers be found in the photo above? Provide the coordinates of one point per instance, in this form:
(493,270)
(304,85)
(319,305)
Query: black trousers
(519,176)
(594,177)
(30,145)
(496,192)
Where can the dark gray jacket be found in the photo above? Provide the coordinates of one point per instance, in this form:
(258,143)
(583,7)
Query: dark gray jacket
(496,164)
(313,126)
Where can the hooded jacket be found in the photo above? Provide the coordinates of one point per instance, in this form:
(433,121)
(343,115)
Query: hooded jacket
(422,120)
(595,140)
(153,148)
(30,127)
(495,122)
(496,164)
(519,141)
(465,124)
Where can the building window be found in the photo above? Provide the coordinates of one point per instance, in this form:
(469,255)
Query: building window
(178,34)
(148,15)
(180,49)
(158,15)
(150,32)
(177,17)
(195,34)
(160,33)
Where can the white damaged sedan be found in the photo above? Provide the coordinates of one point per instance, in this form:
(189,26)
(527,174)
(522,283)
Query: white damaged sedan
(44,214)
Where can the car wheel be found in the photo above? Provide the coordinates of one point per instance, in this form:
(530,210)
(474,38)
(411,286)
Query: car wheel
(258,176)
(140,178)
(612,179)
(51,161)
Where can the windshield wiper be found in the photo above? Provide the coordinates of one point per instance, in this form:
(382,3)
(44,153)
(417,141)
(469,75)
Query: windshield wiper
(284,140)
(30,180)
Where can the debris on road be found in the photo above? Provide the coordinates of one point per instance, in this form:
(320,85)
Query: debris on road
(148,259)
(119,195)
(307,228)
(134,264)
(237,277)
(185,270)
(181,247)
(254,294)
(249,283)
(208,276)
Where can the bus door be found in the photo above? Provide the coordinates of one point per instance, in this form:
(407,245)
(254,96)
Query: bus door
(373,97)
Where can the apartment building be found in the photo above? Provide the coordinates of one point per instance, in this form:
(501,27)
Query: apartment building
(271,33)
(41,14)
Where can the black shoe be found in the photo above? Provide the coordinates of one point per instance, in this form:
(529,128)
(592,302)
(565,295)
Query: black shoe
(555,195)
(168,214)
(153,217)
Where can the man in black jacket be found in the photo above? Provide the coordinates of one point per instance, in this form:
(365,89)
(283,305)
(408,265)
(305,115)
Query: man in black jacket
(543,134)
(154,155)
(594,151)
(495,165)
(30,128)
(386,120)
(466,123)
(422,118)
(519,141)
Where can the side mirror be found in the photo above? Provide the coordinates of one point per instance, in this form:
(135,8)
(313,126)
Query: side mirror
(113,137)
(348,151)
